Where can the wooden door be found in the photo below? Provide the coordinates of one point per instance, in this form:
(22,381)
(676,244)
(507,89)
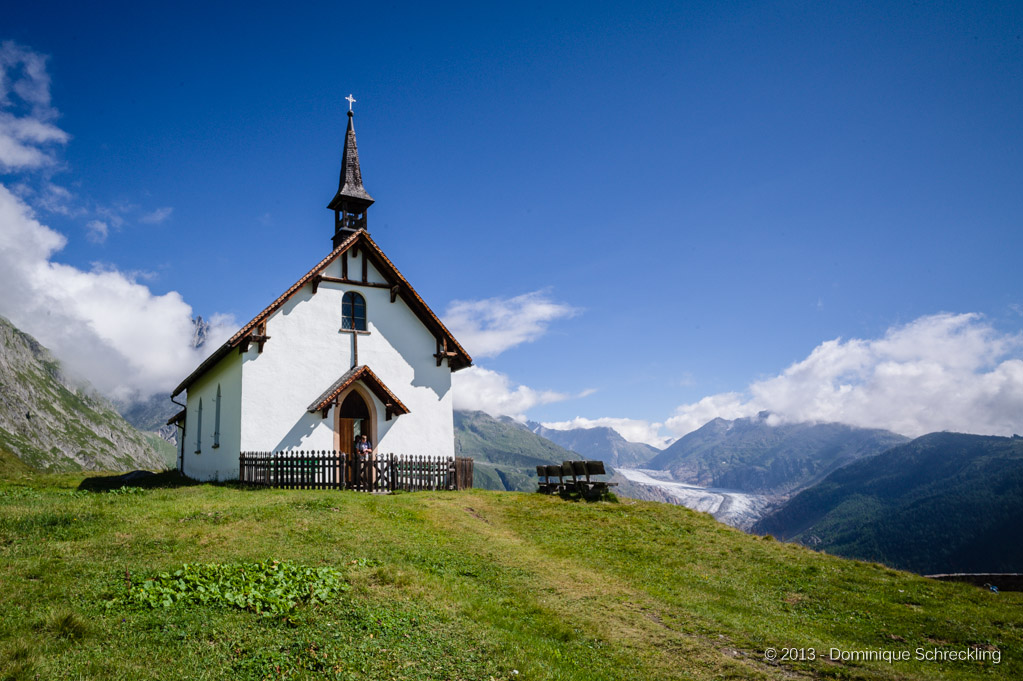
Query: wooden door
(354,419)
(346,437)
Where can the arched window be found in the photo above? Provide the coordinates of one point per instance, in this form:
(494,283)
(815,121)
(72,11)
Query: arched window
(198,429)
(353,312)
(216,421)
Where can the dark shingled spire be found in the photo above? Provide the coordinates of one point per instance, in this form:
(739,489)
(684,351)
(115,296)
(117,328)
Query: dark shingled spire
(352,199)
(350,184)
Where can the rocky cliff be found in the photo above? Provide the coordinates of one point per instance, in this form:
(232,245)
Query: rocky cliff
(51,423)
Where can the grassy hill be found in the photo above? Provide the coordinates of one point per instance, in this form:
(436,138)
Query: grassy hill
(945,502)
(447,585)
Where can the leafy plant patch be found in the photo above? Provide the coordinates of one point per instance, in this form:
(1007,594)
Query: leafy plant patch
(124,490)
(20,493)
(269,588)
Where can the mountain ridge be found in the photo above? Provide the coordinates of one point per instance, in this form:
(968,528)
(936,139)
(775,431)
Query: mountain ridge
(53,423)
(599,443)
(757,455)
(943,502)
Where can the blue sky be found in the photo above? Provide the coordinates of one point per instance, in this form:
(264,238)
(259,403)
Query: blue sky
(672,211)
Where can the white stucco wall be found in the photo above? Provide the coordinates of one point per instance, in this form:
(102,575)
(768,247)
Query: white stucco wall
(221,462)
(305,355)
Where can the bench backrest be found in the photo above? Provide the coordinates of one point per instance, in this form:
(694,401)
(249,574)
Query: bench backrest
(541,471)
(553,471)
(595,468)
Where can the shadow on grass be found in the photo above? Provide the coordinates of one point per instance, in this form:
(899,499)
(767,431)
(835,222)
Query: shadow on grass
(143,479)
(589,496)
(149,480)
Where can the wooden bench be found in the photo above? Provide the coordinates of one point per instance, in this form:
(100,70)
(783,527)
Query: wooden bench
(548,484)
(545,481)
(573,476)
(582,470)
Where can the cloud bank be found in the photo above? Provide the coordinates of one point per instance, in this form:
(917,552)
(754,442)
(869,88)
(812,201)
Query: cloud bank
(481,389)
(940,372)
(633,430)
(27,133)
(486,328)
(102,324)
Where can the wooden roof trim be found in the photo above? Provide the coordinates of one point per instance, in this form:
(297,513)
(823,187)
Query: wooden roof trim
(236,339)
(388,270)
(177,418)
(295,288)
(418,305)
(371,380)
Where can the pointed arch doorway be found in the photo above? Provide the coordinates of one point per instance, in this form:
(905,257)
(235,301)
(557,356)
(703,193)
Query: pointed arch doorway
(354,419)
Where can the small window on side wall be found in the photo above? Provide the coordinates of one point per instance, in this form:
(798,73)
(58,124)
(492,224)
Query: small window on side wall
(216,421)
(198,429)
(353,312)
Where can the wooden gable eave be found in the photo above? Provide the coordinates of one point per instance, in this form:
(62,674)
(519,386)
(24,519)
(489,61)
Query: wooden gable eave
(394,281)
(400,287)
(249,330)
(365,375)
(294,288)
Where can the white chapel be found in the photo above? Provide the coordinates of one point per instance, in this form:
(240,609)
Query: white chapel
(349,349)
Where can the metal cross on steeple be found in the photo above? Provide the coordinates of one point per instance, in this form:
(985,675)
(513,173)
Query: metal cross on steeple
(351,100)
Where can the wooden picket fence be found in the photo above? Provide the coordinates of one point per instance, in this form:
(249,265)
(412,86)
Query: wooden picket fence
(299,469)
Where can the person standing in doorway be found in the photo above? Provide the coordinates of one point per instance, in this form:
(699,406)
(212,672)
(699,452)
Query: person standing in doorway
(362,446)
(364,452)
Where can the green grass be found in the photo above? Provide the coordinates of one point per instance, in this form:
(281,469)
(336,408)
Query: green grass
(446,585)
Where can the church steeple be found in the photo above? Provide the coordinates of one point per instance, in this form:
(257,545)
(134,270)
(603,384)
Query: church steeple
(351,202)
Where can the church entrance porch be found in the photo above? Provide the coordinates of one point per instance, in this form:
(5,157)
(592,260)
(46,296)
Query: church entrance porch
(355,419)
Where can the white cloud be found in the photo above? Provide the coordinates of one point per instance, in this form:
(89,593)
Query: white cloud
(26,130)
(633,430)
(481,389)
(114,214)
(98,231)
(489,327)
(939,372)
(28,139)
(104,325)
(689,417)
(157,216)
